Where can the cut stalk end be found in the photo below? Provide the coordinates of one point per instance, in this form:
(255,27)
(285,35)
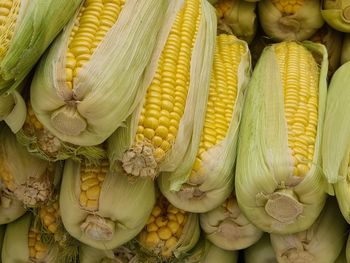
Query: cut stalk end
(98,228)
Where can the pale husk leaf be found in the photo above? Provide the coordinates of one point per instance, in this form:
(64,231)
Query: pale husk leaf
(38,24)
(127,216)
(15,112)
(217,163)
(299,26)
(264,177)
(317,243)
(262,251)
(106,90)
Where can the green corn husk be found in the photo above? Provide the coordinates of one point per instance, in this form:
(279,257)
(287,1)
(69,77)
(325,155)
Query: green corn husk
(202,190)
(262,251)
(297,26)
(333,41)
(347,248)
(336,137)
(268,192)
(107,88)
(136,157)
(237,17)
(342,257)
(44,145)
(345,51)
(336,13)
(123,208)
(227,227)
(16,243)
(37,24)
(25,180)
(12,110)
(317,243)
(207,252)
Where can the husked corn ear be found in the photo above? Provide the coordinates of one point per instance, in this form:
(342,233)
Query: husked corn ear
(91,190)
(287,90)
(290,19)
(300,89)
(205,179)
(155,134)
(91,180)
(114,35)
(165,229)
(42,143)
(8,15)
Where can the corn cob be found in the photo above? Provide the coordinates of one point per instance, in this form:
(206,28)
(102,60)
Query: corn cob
(206,179)
(317,243)
(335,142)
(114,35)
(169,232)
(336,13)
(227,227)
(23,178)
(91,190)
(159,131)
(262,251)
(237,17)
(290,19)
(43,144)
(278,185)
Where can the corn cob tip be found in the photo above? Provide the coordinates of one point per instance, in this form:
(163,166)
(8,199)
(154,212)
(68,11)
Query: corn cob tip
(140,160)
(283,206)
(98,228)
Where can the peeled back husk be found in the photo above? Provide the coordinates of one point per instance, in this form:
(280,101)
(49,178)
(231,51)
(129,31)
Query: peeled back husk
(297,25)
(237,17)
(122,210)
(336,13)
(137,158)
(268,191)
(37,24)
(25,180)
(227,227)
(12,110)
(106,89)
(262,251)
(204,189)
(320,243)
(345,51)
(336,138)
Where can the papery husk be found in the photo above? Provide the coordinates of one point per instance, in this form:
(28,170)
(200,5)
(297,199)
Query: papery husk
(15,244)
(38,23)
(299,26)
(345,51)
(267,192)
(320,243)
(108,87)
(191,123)
(262,251)
(124,207)
(32,182)
(217,167)
(227,227)
(337,14)
(240,20)
(336,138)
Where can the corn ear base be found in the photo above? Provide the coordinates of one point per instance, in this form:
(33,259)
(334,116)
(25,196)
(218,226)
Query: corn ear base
(123,220)
(337,14)
(192,120)
(345,51)
(262,173)
(217,163)
(227,227)
(298,26)
(37,25)
(310,245)
(113,94)
(336,137)
(262,251)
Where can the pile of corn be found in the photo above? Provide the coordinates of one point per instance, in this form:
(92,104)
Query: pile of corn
(163,131)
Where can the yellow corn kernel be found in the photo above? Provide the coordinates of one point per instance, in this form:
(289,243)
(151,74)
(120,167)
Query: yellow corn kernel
(299,73)
(288,7)
(95,19)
